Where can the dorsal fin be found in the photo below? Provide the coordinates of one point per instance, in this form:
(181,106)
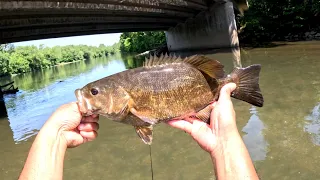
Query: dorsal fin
(163,59)
(211,67)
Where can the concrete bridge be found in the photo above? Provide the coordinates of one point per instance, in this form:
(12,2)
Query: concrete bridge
(189,24)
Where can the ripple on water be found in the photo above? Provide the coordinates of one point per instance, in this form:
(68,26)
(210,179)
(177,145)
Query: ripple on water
(313,124)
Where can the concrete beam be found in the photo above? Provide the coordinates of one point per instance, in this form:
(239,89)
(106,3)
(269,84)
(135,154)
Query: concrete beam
(214,28)
(74,33)
(33,22)
(183,5)
(114,5)
(26,13)
(14,35)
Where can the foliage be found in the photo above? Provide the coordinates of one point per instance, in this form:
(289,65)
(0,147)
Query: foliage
(132,62)
(22,59)
(268,20)
(141,41)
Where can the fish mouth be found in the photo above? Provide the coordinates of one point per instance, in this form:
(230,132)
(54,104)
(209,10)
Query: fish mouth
(84,107)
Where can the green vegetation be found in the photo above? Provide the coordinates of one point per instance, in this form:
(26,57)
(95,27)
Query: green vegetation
(138,42)
(131,62)
(23,59)
(270,20)
(41,78)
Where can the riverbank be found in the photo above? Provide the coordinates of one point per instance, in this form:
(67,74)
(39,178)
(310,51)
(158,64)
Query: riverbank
(310,35)
(306,36)
(21,59)
(60,64)
(64,63)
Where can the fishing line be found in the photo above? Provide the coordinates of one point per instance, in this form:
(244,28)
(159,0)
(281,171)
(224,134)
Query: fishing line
(151,161)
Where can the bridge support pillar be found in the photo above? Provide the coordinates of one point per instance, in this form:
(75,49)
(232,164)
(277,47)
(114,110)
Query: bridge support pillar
(3,109)
(214,28)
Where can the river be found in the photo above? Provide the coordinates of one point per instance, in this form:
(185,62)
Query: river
(283,137)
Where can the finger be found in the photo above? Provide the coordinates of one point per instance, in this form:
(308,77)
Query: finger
(225,92)
(94,115)
(213,104)
(199,126)
(89,136)
(92,126)
(181,124)
(90,119)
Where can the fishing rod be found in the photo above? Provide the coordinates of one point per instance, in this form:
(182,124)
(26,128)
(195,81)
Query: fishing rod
(151,161)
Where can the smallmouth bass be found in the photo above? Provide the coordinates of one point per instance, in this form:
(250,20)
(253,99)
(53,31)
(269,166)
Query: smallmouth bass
(166,88)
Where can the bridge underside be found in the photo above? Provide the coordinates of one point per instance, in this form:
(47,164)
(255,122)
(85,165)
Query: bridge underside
(31,19)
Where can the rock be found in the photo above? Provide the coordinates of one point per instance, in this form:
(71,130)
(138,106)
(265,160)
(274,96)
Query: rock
(313,32)
(317,35)
(309,38)
(307,34)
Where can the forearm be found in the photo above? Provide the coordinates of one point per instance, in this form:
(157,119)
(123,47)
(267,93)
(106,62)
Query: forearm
(232,160)
(45,159)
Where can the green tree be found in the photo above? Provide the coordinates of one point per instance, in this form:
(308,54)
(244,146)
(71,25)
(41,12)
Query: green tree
(269,20)
(141,41)
(27,58)
(4,63)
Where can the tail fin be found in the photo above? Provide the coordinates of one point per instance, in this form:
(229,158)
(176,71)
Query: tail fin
(247,80)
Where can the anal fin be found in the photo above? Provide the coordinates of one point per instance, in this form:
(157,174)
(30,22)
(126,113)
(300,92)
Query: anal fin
(204,114)
(145,133)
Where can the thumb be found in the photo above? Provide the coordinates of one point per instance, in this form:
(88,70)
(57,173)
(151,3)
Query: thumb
(225,92)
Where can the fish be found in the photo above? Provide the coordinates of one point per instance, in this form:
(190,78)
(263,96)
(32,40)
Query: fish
(166,88)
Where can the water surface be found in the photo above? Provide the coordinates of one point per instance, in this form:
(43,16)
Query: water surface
(283,137)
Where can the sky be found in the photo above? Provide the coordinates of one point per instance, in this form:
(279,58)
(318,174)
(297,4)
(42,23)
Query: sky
(92,40)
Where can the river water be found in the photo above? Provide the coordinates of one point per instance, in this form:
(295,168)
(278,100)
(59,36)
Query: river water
(283,137)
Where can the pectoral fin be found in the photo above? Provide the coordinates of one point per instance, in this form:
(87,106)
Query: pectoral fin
(204,114)
(145,133)
(143,116)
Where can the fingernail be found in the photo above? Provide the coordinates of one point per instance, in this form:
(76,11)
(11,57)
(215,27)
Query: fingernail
(81,126)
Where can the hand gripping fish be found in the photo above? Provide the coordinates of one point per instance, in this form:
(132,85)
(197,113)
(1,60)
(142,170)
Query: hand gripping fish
(166,88)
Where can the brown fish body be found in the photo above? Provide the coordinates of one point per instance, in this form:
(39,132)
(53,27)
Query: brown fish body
(168,91)
(165,88)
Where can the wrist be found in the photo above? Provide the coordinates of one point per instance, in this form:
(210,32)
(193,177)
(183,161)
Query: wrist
(52,135)
(226,142)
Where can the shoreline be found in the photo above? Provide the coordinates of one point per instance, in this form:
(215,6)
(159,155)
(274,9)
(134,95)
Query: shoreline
(272,44)
(309,35)
(244,45)
(60,64)
(65,63)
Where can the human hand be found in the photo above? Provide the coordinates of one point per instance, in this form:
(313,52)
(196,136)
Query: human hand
(222,123)
(72,126)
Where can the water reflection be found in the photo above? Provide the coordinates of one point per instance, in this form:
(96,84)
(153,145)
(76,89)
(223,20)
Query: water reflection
(254,138)
(227,56)
(313,124)
(236,54)
(133,62)
(42,92)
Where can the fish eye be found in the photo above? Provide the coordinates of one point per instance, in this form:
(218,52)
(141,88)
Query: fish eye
(94,91)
